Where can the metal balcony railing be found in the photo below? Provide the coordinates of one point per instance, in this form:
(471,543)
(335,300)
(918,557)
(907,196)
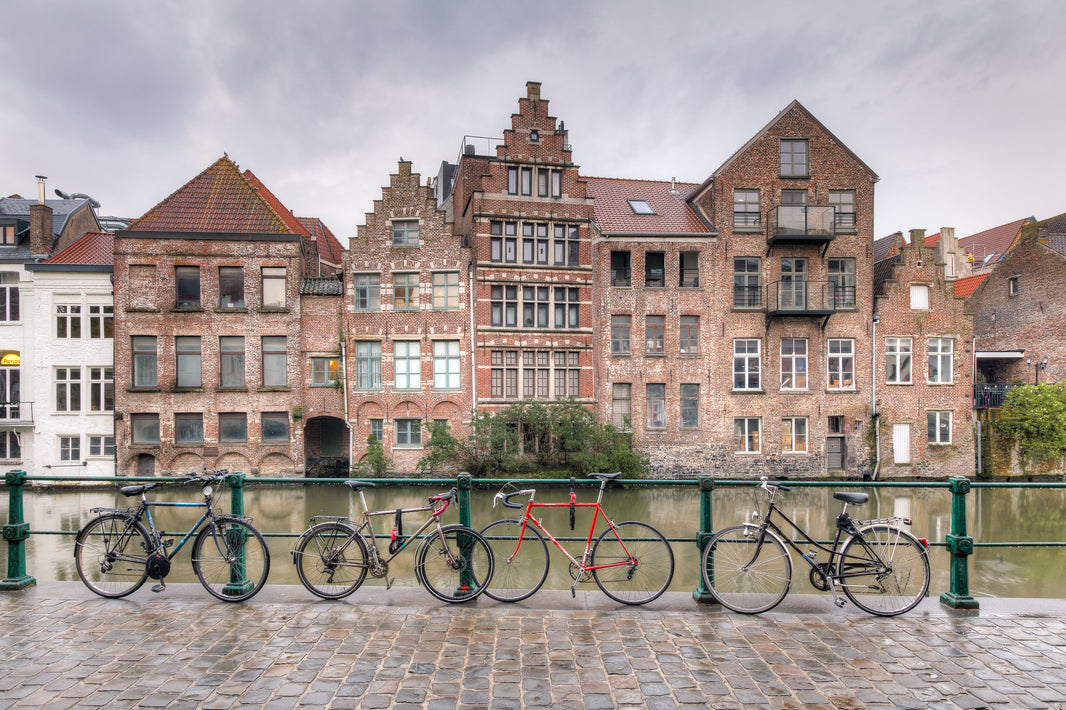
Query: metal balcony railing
(990,395)
(802,298)
(801,223)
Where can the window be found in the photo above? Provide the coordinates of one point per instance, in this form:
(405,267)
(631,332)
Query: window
(100,446)
(231,361)
(919,297)
(512,181)
(10,393)
(504,306)
(690,406)
(841,365)
(101,322)
(620,335)
(101,389)
(689,269)
(368,365)
(70,448)
(446,364)
(144,361)
(567,308)
(188,429)
(144,429)
(844,202)
(405,233)
(446,290)
(746,283)
(794,158)
(231,287)
(275,361)
(898,360)
(325,371)
(793,291)
(526,185)
(842,278)
(535,306)
(504,374)
(534,136)
(901,443)
(746,364)
(794,435)
(535,374)
(7,235)
(409,432)
(641,207)
(745,208)
(655,269)
(938,425)
(187,286)
(367,292)
(68,321)
(941,351)
(543,180)
(232,427)
(746,435)
(567,374)
(793,363)
(557,183)
(566,246)
(689,335)
(275,427)
(9,297)
(528,243)
(68,389)
(407,364)
(274,287)
(1013,285)
(620,272)
(655,331)
(405,291)
(656,398)
(377,429)
(10,446)
(503,242)
(187,353)
(621,405)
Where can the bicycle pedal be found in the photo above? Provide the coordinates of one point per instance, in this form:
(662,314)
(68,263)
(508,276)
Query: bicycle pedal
(839,603)
(159,588)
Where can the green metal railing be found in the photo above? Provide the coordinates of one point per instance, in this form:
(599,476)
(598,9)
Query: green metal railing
(958,543)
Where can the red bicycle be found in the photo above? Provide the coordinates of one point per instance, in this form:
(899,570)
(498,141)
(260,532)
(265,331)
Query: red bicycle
(631,562)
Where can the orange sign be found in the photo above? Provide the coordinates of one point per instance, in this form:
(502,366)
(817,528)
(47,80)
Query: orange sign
(10,359)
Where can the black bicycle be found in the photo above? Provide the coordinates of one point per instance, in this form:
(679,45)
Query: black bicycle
(120,548)
(880,567)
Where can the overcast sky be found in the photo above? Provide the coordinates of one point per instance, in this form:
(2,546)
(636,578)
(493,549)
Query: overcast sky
(958,105)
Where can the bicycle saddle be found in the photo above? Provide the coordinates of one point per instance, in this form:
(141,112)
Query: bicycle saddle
(356,485)
(853,498)
(606,476)
(136,490)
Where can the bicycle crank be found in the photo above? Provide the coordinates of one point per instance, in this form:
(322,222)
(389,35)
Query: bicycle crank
(579,575)
(818,577)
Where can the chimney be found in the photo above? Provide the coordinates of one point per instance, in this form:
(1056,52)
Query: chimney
(40,224)
(405,168)
(533,90)
(917,237)
(1042,234)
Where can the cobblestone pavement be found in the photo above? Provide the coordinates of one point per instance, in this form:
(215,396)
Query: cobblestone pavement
(62,647)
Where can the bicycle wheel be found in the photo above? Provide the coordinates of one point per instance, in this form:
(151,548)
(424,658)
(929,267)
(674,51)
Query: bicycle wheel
(456,566)
(331,560)
(231,559)
(643,563)
(896,566)
(736,580)
(111,554)
(520,570)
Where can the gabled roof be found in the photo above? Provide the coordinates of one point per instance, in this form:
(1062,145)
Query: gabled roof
(61,210)
(219,199)
(932,239)
(613,214)
(993,242)
(286,215)
(329,247)
(95,248)
(885,247)
(968,284)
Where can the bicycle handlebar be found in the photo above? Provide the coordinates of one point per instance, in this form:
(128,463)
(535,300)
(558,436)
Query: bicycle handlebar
(769,486)
(505,498)
(450,495)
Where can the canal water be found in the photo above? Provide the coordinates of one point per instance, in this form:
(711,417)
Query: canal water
(282,512)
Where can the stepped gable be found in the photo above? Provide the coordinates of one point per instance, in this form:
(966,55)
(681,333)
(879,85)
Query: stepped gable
(614,214)
(93,248)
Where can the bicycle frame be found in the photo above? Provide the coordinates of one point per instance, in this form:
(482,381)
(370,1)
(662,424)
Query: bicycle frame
(144,512)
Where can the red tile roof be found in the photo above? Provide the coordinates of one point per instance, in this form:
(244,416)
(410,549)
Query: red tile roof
(286,215)
(673,215)
(219,199)
(992,241)
(92,248)
(965,286)
(329,247)
(932,239)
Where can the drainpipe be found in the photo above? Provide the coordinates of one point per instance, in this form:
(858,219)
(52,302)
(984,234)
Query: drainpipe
(473,337)
(344,381)
(873,399)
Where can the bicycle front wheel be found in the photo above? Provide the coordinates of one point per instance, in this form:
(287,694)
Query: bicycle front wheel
(231,559)
(741,580)
(331,560)
(111,555)
(520,569)
(455,564)
(890,568)
(641,563)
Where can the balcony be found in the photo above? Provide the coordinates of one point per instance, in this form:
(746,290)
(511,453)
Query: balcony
(805,299)
(16,415)
(990,395)
(800,224)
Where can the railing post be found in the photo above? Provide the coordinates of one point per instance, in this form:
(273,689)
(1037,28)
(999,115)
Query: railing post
(706,532)
(238,574)
(960,546)
(235,481)
(16,532)
(465,483)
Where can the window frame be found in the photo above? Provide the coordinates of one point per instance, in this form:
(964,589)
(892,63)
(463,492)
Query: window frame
(143,358)
(744,217)
(188,357)
(903,359)
(654,335)
(273,283)
(10,298)
(101,446)
(745,359)
(229,278)
(367,357)
(188,418)
(141,423)
(841,273)
(186,277)
(945,360)
(366,292)
(621,274)
(405,287)
(843,221)
(742,292)
(655,403)
(919,297)
(274,418)
(410,429)
(935,424)
(230,419)
(791,435)
(325,371)
(68,321)
(67,381)
(688,276)
(621,325)
(101,321)
(69,447)
(800,365)
(841,356)
(101,389)
(689,411)
(688,335)
(795,168)
(406,366)
(402,233)
(228,359)
(747,439)
(445,292)
(651,280)
(446,365)
(277,356)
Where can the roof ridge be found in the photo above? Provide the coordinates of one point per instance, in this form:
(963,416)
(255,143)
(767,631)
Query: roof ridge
(665,182)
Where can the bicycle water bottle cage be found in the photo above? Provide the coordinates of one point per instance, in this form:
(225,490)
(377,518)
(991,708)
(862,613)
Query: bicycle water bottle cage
(397,533)
(573,502)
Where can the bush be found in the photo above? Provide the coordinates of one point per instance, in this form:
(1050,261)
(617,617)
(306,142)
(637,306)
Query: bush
(1034,418)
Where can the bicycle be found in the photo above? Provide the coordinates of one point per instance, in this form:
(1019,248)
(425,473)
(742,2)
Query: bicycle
(882,568)
(334,554)
(631,562)
(116,552)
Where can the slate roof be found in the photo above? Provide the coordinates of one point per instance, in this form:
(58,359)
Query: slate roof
(995,241)
(613,214)
(96,248)
(885,247)
(968,284)
(321,286)
(61,210)
(329,247)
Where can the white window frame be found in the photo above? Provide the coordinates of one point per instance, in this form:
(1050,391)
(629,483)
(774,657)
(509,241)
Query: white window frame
(445,290)
(838,359)
(935,423)
(446,365)
(747,364)
(897,352)
(919,297)
(101,388)
(746,438)
(798,361)
(101,446)
(101,321)
(70,447)
(795,437)
(68,321)
(942,353)
(67,380)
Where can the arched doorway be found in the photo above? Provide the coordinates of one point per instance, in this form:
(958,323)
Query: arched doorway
(326,448)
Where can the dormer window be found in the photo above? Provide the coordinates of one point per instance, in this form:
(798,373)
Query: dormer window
(534,136)
(7,235)
(641,207)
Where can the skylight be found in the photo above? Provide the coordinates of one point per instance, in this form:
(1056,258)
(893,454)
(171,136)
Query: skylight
(641,207)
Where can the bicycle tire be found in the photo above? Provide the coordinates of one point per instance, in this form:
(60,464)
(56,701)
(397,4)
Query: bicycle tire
(231,559)
(331,560)
(516,577)
(737,585)
(904,580)
(637,583)
(104,559)
(454,564)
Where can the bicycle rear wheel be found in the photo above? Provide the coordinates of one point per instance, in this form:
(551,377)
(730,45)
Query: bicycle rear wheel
(897,566)
(454,565)
(740,583)
(331,560)
(231,559)
(519,576)
(643,563)
(111,555)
